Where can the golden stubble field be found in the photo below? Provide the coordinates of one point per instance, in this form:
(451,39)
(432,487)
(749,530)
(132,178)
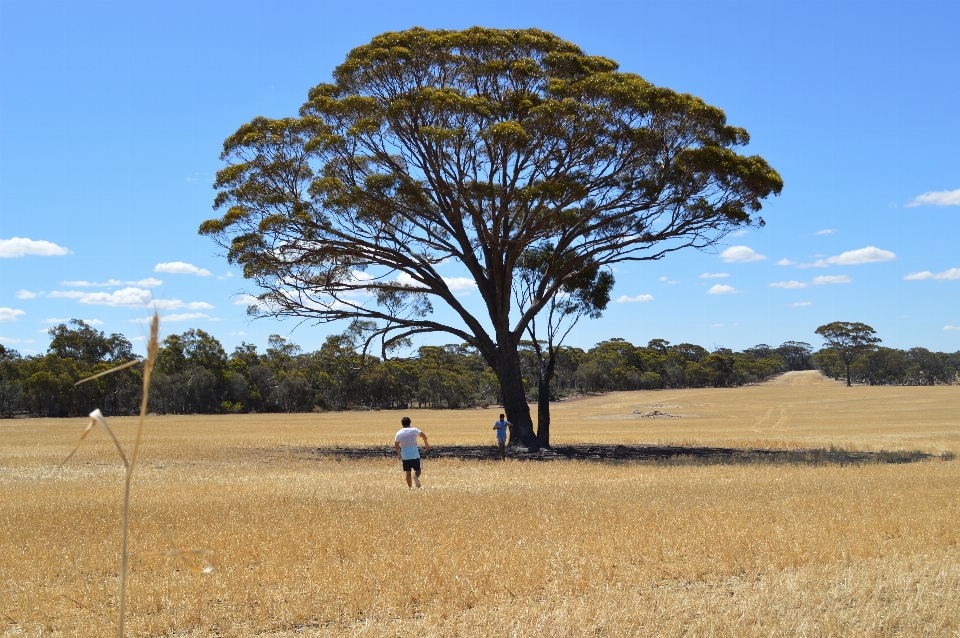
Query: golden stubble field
(315,546)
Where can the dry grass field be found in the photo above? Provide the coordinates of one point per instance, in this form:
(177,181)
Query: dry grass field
(313,545)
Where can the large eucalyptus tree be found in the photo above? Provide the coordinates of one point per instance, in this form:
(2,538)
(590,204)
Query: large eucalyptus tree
(473,147)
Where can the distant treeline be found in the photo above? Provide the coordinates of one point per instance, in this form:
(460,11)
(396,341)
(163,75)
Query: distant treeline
(194,374)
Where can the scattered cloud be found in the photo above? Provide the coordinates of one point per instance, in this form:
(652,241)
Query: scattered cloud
(945,328)
(937,198)
(788,284)
(626,299)
(714,275)
(10,314)
(20,246)
(820,263)
(741,253)
(199,305)
(868,255)
(740,233)
(56,321)
(130,297)
(238,333)
(246,300)
(460,283)
(800,304)
(125,297)
(716,325)
(184,316)
(149,282)
(226,276)
(831,279)
(785,262)
(722,289)
(826,231)
(181,268)
(14,340)
(950,274)
(26,294)
(669,281)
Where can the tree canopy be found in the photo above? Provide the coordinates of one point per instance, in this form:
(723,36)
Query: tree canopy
(848,340)
(474,147)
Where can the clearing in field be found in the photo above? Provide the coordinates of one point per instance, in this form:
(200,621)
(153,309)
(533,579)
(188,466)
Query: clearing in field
(311,542)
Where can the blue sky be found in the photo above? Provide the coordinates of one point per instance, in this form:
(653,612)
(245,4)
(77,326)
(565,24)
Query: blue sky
(112,117)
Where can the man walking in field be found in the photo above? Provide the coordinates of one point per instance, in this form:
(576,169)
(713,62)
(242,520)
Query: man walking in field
(405,443)
(501,428)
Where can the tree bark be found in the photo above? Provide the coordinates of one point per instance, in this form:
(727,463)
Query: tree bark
(514,398)
(543,398)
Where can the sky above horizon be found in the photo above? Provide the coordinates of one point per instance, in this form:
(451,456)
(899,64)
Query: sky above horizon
(113,116)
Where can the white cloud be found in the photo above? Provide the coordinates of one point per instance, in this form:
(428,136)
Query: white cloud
(788,284)
(165,304)
(721,289)
(126,297)
(246,300)
(831,279)
(199,305)
(663,278)
(951,274)
(181,268)
(945,328)
(668,281)
(185,316)
(714,275)
(741,253)
(20,246)
(10,314)
(716,325)
(785,262)
(626,299)
(238,333)
(460,283)
(407,280)
(800,304)
(26,294)
(54,320)
(820,263)
(226,276)
(67,294)
(740,233)
(149,282)
(826,231)
(6,340)
(937,198)
(868,255)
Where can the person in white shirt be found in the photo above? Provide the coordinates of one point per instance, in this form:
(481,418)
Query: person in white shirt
(405,443)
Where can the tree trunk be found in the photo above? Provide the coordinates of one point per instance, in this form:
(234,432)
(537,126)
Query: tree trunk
(543,398)
(514,399)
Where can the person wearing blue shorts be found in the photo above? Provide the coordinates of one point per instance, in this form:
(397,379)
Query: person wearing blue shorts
(501,428)
(405,443)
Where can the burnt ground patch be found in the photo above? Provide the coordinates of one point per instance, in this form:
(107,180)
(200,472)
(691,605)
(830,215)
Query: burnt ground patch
(666,454)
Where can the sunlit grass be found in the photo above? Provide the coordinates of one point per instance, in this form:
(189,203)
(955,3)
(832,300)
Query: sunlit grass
(320,546)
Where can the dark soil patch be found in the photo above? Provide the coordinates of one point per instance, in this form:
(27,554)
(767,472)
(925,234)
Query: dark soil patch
(636,453)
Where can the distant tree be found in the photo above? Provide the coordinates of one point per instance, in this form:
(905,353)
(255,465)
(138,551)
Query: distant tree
(796,353)
(472,147)
(848,340)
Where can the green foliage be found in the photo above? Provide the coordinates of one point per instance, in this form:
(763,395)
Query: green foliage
(198,376)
